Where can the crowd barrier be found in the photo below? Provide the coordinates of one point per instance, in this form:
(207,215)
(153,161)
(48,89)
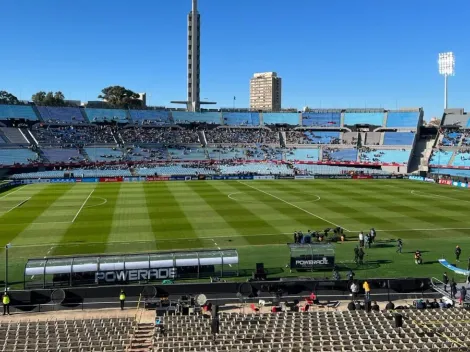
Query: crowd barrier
(205,177)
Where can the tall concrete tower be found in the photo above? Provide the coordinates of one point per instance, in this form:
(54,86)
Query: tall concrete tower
(193,101)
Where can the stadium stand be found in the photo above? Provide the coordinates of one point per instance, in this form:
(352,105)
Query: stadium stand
(110,171)
(450,172)
(258,168)
(312,137)
(398,138)
(13,135)
(101,115)
(402,119)
(335,170)
(241,136)
(451,138)
(321,119)
(56,155)
(146,154)
(103,154)
(456,120)
(150,117)
(385,156)
(461,158)
(17,112)
(12,156)
(241,118)
(339,154)
(61,115)
(176,169)
(363,118)
(187,153)
(104,334)
(72,136)
(226,153)
(350,137)
(158,135)
(197,117)
(440,157)
(303,155)
(373,138)
(423,330)
(281,118)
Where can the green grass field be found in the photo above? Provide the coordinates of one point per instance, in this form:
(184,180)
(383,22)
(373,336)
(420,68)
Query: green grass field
(256,217)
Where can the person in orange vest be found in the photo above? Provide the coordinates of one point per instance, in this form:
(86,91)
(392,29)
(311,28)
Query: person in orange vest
(366,288)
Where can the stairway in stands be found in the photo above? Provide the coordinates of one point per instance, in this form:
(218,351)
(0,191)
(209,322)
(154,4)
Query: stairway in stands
(142,339)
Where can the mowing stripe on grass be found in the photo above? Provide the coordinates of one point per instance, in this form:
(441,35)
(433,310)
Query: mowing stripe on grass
(131,218)
(168,219)
(291,204)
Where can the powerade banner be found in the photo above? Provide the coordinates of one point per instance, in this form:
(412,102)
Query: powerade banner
(111,179)
(304,177)
(111,277)
(263,177)
(317,262)
(62,180)
(157,178)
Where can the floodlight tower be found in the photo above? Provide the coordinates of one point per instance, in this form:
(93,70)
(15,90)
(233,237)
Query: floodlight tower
(446,68)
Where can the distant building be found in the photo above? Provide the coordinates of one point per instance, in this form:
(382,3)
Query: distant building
(266,91)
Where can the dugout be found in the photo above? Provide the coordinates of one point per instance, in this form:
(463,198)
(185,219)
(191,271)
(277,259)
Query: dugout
(129,268)
(311,256)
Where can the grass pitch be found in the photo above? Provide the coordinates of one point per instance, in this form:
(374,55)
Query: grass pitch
(256,217)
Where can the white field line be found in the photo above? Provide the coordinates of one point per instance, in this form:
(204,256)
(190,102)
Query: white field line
(8,194)
(293,205)
(433,195)
(231,196)
(16,206)
(97,205)
(79,210)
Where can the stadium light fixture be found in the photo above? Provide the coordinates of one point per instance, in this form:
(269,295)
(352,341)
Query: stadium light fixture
(446,63)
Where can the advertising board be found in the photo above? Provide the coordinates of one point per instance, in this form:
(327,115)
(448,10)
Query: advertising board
(157,178)
(316,262)
(362,177)
(304,177)
(111,179)
(263,177)
(61,180)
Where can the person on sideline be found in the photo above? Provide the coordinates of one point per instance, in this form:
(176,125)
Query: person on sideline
(122,299)
(366,288)
(6,303)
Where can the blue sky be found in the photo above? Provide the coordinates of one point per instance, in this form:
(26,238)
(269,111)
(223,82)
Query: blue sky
(330,53)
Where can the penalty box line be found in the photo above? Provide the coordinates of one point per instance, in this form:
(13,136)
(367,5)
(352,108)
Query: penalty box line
(293,205)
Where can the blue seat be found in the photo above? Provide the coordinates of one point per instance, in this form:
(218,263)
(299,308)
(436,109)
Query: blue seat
(273,118)
(69,115)
(17,156)
(398,138)
(100,115)
(439,157)
(451,172)
(189,117)
(363,118)
(386,156)
(402,119)
(343,155)
(336,170)
(321,137)
(303,155)
(18,112)
(461,159)
(321,119)
(187,153)
(451,138)
(154,116)
(241,118)
(103,154)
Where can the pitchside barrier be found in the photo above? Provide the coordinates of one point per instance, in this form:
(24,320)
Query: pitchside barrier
(205,178)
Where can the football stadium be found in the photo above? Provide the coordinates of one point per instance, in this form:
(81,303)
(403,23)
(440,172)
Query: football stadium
(131,227)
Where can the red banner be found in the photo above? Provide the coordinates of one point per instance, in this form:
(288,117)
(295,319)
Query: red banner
(157,178)
(111,179)
(445,182)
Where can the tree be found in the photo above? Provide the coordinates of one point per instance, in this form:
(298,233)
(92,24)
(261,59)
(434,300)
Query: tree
(49,98)
(120,97)
(8,98)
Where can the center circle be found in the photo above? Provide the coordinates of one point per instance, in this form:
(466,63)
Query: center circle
(292,197)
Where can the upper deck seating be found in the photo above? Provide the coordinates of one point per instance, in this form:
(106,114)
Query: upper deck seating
(150,117)
(363,118)
(402,119)
(197,117)
(282,118)
(321,119)
(399,138)
(241,118)
(62,115)
(101,115)
(17,112)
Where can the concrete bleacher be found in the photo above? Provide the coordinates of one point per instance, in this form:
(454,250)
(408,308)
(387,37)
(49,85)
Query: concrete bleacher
(440,157)
(432,330)
(321,119)
(288,118)
(241,118)
(373,138)
(62,155)
(101,154)
(76,173)
(63,115)
(101,115)
(388,156)
(12,156)
(187,153)
(199,117)
(461,120)
(17,112)
(363,118)
(303,155)
(173,170)
(402,119)
(150,116)
(398,138)
(13,135)
(346,154)
(350,137)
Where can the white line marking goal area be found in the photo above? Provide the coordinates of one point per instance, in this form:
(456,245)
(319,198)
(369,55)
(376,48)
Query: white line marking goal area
(79,210)
(293,205)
